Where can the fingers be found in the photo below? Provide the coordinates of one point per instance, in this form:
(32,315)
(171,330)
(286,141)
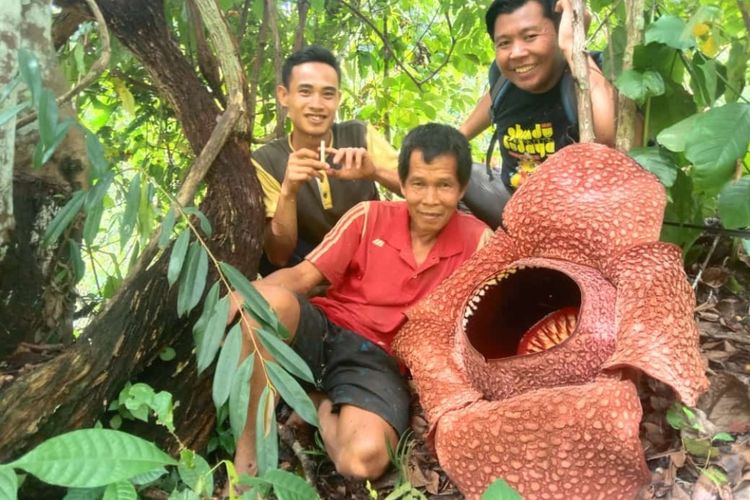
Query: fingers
(355,163)
(303,165)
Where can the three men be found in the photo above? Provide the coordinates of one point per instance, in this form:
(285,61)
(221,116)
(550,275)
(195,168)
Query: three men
(304,196)
(533,51)
(380,259)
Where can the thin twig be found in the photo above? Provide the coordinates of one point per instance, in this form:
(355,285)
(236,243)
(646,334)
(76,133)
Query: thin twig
(448,56)
(96,69)
(308,466)
(243,22)
(252,103)
(745,14)
(581,73)
(705,262)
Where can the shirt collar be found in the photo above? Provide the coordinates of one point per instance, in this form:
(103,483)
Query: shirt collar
(448,243)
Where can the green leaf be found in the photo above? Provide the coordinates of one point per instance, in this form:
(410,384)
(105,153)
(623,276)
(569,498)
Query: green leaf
(47,116)
(121,490)
(196,473)
(132,201)
(658,162)
(205,225)
(167,354)
(500,490)
(76,262)
(254,302)
(186,494)
(193,280)
(28,66)
(61,132)
(161,404)
(239,396)
(639,86)
(166,228)
(289,486)
(8,483)
(734,204)
(212,297)
(84,494)
(148,477)
(671,31)
(266,433)
(227,366)
(9,88)
(213,335)
(317,4)
(95,152)
(9,113)
(723,437)
(93,221)
(720,137)
(64,217)
(92,457)
(292,392)
(674,138)
(285,355)
(177,258)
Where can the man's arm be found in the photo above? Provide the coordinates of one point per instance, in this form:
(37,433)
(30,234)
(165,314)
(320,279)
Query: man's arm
(281,229)
(479,119)
(603,94)
(299,279)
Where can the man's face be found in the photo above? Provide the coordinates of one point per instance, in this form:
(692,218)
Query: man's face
(312,98)
(432,192)
(526,48)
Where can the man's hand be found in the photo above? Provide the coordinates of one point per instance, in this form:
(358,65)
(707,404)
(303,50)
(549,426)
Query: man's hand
(565,30)
(303,165)
(355,164)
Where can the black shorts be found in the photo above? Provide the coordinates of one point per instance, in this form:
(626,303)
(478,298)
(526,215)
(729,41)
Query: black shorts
(350,369)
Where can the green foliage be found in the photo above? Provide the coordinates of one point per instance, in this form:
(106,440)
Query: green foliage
(500,490)
(139,400)
(91,457)
(266,433)
(196,473)
(283,484)
(8,483)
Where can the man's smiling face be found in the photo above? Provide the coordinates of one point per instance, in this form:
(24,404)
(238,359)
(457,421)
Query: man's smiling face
(526,49)
(312,98)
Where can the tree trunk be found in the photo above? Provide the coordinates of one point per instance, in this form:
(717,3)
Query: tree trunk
(73,389)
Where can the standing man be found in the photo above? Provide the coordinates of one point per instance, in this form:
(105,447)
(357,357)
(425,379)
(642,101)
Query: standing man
(381,258)
(533,50)
(304,196)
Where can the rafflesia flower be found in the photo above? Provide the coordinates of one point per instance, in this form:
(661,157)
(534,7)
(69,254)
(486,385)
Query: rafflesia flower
(524,358)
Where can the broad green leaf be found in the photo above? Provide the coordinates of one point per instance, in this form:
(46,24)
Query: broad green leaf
(47,116)
(317,4)
(674,138)
(128,102)
(500,490)
(84,494)
(146,211)
(736,68)
(166,228)
(289,486)
(734,204)
(196,473)
(213,335)
(720,137)
(227,366)
(95,152)
(64,217)
(177,258)
(658,162)
(167,354)
(9,113)
(723,436)
(671,31)
(239,396)
(132,201)
(205,225)
(61,132)
(285,355)
(28,66)
(8,483)
(76,262)
(94,213)
(193,280)
(148,477)
(163,408)
(186,494)
(266,433)
(92,457)
(121,490)
(292,392)
(212,297)
(254,302)
(639,86)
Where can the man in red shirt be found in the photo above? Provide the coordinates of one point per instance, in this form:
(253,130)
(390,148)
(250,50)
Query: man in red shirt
(381,258)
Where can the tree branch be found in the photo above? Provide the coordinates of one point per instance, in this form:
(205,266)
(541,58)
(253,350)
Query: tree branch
(206,60)
(745,14)
(273,25)
(299,35)
(627,111)
(581,74)
(96,69)
(450,51)
(256,66)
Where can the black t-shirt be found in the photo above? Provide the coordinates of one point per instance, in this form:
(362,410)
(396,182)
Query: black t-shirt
(530,128)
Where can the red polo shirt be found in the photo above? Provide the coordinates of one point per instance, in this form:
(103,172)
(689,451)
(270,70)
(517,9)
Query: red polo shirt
(368,259)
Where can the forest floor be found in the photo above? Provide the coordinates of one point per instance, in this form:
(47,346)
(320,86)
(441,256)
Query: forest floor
(707,455)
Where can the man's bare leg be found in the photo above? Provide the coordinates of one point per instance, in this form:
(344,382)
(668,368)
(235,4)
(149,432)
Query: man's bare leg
(356,440)
(285,305)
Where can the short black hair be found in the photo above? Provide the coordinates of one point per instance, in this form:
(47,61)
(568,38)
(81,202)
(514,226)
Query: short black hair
(435,139)
(498,7)
(311,53)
